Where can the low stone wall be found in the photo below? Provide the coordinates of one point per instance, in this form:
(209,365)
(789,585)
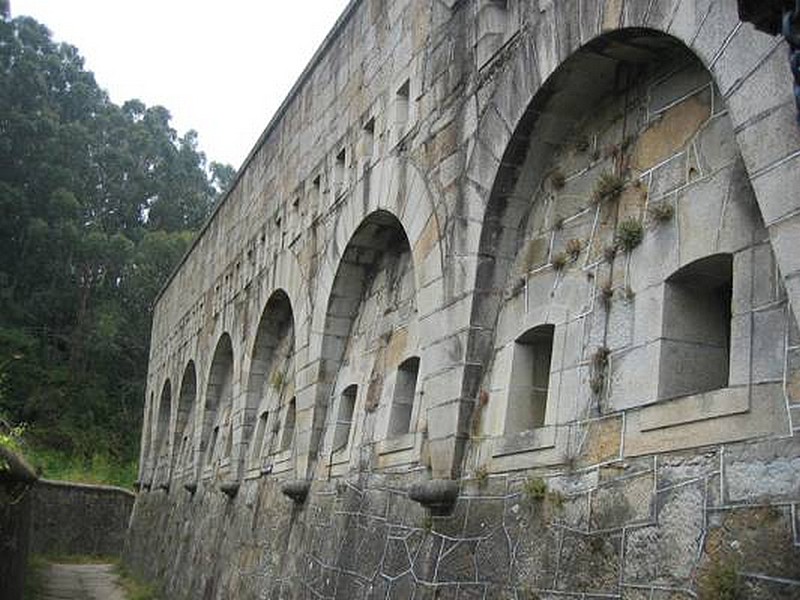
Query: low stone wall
(16,480)
(71,518)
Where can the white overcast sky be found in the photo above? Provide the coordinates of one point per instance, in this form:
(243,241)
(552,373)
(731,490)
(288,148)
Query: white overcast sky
(221,68)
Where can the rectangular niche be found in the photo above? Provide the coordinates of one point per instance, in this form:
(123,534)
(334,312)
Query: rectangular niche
(530,377)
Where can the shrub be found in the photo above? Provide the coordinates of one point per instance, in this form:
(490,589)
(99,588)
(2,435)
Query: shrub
(535,489)
(574,247)
(661,212)
(559,261)
(629,234)
(608,188)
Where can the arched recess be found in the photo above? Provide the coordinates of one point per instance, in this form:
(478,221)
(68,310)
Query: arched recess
(370,321)
(184,424)
(217,426)
(161,445)
(608,67)
(630,133)
(270,382)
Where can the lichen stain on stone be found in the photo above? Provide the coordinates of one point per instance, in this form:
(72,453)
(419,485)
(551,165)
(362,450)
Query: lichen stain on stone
(603,440)
(669,134)
(427,241)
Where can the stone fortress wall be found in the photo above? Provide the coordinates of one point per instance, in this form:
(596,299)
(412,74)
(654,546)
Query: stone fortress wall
(500,306)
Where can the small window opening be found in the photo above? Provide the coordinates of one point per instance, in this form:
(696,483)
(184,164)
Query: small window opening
(403,402)
(402,106)
(228,442)
(368,138)
(288,426)
(696,330)
(344,420)
(339,171)
(212,444)
(530,379)
(258,440)
(316,191)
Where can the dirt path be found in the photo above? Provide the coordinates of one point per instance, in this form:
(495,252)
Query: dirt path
(81,582)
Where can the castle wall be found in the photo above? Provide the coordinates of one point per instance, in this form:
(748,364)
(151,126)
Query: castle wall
(545,250)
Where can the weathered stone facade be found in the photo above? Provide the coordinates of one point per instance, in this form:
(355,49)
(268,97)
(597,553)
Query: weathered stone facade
(547,250)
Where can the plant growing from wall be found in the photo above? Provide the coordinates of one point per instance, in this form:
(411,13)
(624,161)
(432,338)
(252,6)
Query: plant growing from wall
(720,581)
(609,253)
(276,380)
(629,234)
(534,489)
(574,248)
(608,188)
(660,212)
(559,261)
(606,294)
(482,476)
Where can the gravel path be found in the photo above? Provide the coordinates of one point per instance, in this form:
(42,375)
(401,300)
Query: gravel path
(81,582)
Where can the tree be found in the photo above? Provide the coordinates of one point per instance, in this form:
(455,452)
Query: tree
(98,202)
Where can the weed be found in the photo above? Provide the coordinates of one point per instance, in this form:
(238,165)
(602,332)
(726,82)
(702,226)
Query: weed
(427,523)
(482,476)
(276,380)
(573,248)
(559,224)
(721,581)
(600,357)
(597,383)
(608,188)
(610,252)
(606,294)
(535,489)
(136,588)
(559,261)
(558,179)
(661,212)
(629,234)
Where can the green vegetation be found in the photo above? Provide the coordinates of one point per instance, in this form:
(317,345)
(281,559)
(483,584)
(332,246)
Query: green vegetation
(135,588)
(608,188)
(535,488)
(98,203)
(629,234)
(720,581)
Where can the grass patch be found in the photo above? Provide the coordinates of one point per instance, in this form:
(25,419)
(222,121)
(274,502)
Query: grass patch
(34,578)
(96,469)
(135,588)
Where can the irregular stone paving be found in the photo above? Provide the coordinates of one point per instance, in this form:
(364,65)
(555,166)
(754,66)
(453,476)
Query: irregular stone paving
(81,582)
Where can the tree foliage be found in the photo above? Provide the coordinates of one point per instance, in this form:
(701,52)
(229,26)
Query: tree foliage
(98,202)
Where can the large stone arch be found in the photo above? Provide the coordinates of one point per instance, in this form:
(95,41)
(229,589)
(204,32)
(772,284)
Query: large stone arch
(270,377)
(183,432)
(378,247)
(218,407)
(621,70)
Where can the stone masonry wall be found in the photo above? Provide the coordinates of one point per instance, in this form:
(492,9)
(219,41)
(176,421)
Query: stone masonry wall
(77,519)
(539,254)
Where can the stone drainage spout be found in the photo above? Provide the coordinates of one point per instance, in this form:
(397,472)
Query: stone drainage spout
(437,495)
(296,489)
